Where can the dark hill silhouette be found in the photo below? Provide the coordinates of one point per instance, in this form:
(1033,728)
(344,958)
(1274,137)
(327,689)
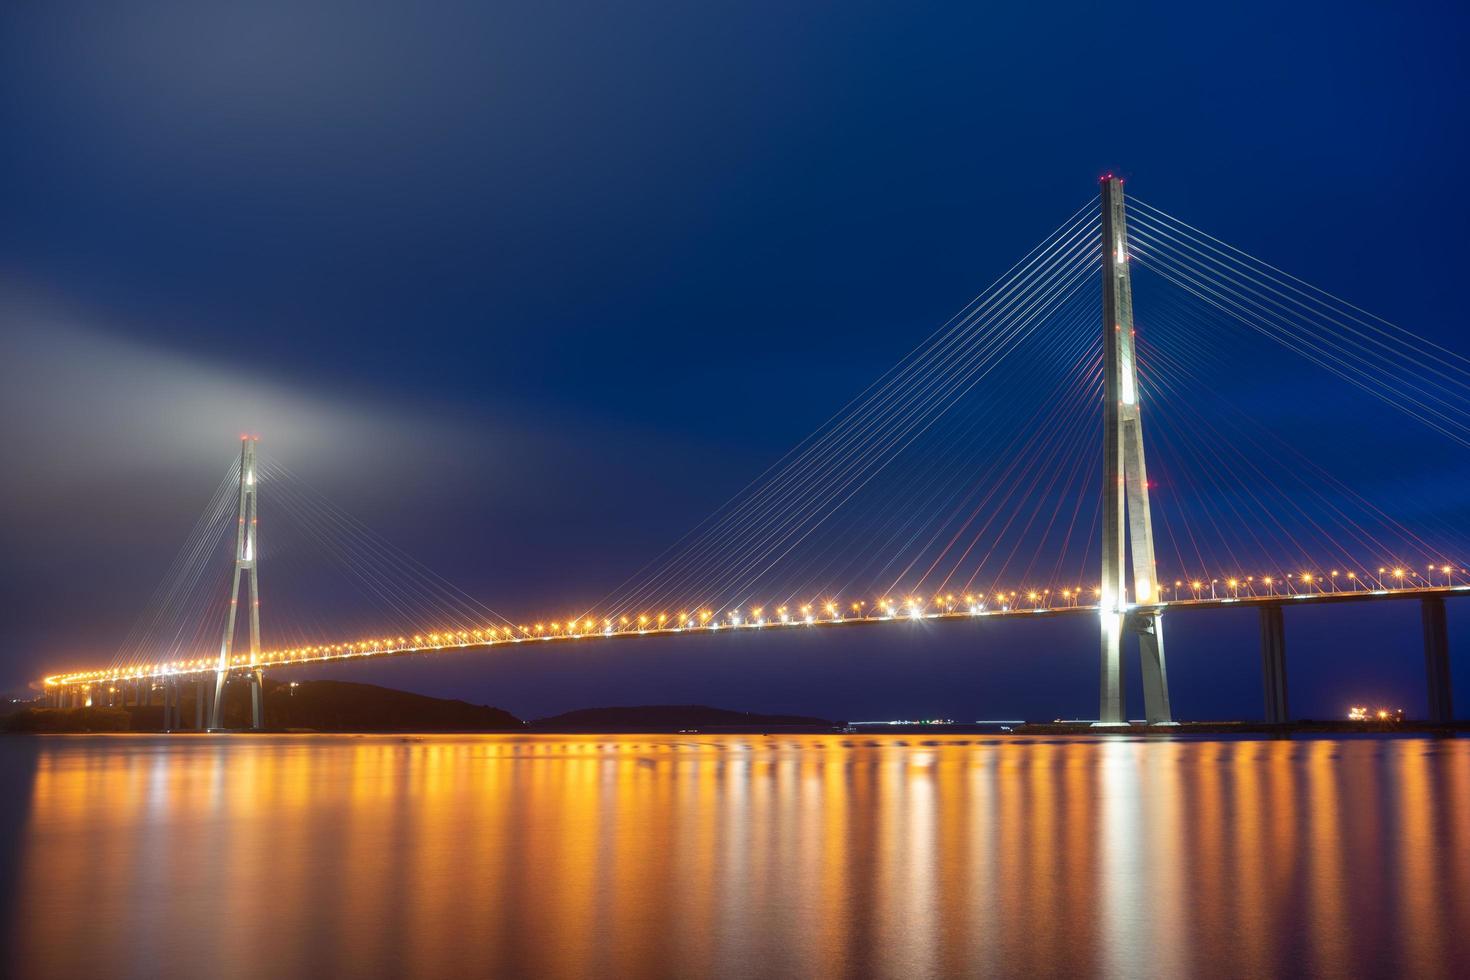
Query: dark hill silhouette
(670,717)
(341,706)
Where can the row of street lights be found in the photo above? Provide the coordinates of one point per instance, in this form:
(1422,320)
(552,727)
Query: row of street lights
(1401,577)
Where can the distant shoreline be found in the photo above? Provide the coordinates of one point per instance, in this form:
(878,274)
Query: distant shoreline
(338,707)
(1029,732)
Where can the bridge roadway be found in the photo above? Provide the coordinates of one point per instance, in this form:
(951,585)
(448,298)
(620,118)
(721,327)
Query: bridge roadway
(112,685)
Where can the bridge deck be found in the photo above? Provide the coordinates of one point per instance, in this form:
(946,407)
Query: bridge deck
(330,654)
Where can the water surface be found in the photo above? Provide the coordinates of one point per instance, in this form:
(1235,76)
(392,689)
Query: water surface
(782,856)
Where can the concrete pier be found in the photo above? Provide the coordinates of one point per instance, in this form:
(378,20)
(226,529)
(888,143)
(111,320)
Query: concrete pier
(257,700)
(1437,659)
(1273,664)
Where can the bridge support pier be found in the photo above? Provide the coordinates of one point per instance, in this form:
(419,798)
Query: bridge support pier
(217,699)
(1110,707)
(214,708)
(257,700)
(1273,664)
(1437,659)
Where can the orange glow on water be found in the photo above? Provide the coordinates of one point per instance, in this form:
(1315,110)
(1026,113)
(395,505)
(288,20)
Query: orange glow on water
(705,855)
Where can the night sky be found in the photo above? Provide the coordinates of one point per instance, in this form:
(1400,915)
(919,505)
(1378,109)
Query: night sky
(533,288)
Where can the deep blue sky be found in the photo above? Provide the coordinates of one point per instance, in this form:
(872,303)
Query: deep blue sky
(450,263)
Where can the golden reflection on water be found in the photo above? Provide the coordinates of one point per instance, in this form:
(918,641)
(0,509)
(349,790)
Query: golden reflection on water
(802,856)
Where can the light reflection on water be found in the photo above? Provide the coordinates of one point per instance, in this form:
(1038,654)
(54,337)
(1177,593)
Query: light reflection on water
(798,856)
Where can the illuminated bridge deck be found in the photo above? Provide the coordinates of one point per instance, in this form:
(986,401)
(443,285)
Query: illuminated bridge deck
(470,639)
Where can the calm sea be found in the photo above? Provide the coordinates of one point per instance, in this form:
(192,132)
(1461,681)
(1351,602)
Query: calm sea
(741,856)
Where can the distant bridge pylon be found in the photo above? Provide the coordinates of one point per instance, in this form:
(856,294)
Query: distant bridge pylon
(247,564)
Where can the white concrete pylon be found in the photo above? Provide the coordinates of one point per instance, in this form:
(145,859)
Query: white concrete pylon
(1125,507)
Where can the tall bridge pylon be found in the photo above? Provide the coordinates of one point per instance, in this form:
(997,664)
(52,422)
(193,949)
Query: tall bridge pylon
(247,555)
(1125,513)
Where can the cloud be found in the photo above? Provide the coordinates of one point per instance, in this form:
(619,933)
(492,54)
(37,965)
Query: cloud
(84,406)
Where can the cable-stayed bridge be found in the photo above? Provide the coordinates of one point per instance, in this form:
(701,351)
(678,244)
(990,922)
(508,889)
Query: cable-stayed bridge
(962,483)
